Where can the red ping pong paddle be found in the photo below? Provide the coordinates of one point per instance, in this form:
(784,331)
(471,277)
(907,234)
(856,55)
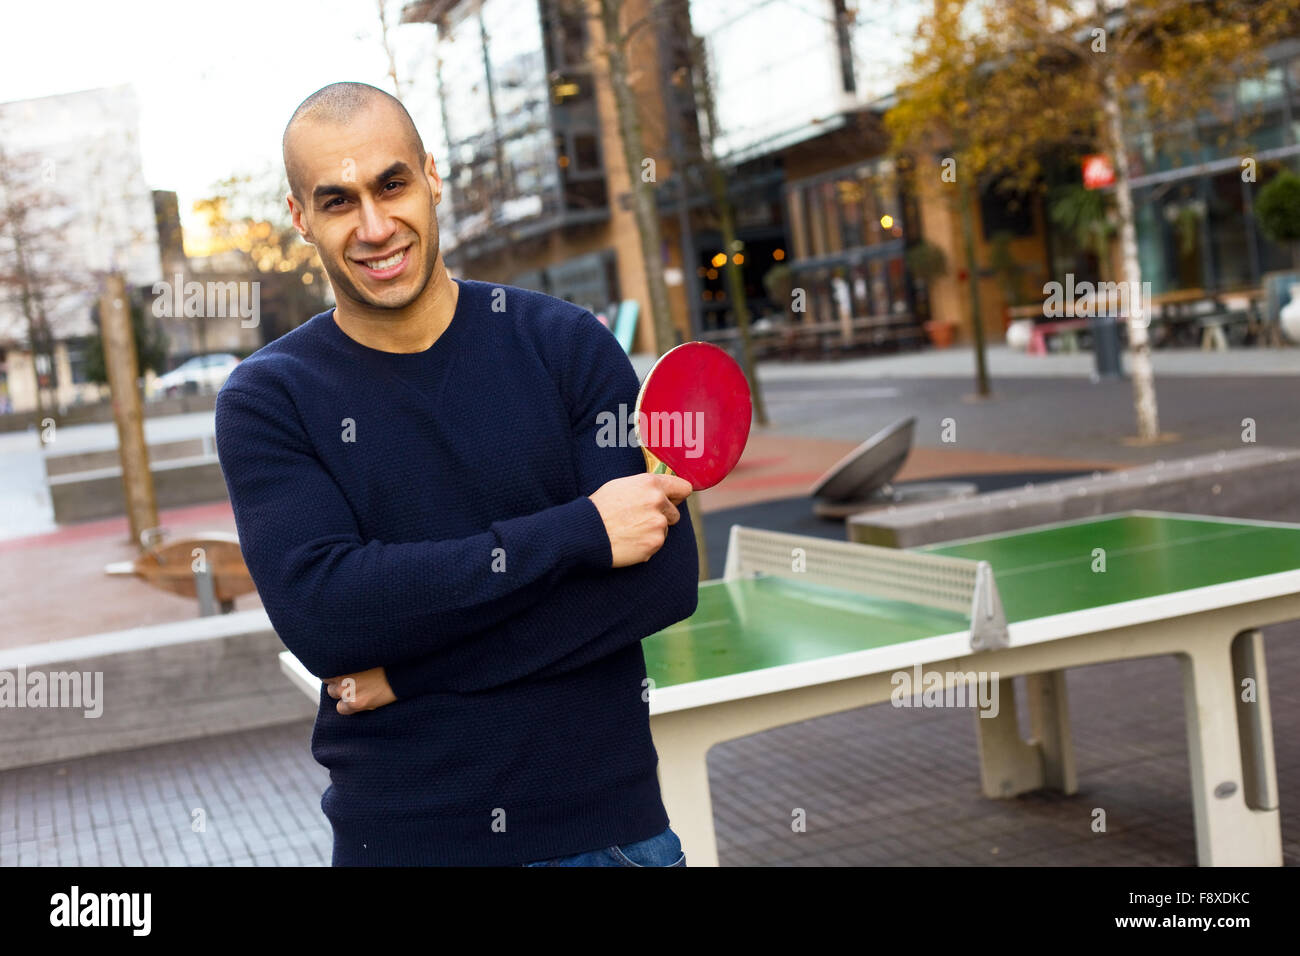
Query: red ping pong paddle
(693,414)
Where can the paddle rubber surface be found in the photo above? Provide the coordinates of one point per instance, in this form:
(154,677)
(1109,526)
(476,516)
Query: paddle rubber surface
(693,414)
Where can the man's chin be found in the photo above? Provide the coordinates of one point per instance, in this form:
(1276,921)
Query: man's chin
(390,295)
(392,300)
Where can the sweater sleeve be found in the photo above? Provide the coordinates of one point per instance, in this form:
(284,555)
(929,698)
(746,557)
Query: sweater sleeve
(340,603)
(592,612)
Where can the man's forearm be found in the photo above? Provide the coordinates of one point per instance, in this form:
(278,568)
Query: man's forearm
(586,616)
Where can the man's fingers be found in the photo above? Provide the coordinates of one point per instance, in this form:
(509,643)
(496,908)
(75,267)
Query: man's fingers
(674,488)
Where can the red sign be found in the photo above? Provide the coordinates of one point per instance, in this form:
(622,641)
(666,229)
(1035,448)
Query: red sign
(1097,171)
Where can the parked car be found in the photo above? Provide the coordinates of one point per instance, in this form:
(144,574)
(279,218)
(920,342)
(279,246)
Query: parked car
(203,373)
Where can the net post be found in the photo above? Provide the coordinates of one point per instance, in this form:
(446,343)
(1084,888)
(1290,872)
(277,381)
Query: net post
(988,620)
(731,570)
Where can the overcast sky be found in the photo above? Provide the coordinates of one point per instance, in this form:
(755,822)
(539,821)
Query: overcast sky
(215,82)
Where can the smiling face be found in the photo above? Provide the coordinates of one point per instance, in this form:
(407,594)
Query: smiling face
(365,198)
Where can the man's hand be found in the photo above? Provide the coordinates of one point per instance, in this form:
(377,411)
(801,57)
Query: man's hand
(637,511)
(366,690)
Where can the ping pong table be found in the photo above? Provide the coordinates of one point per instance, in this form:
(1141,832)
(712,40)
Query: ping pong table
(800,627)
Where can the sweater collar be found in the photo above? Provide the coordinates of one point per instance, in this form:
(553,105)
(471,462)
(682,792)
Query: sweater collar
(440,346)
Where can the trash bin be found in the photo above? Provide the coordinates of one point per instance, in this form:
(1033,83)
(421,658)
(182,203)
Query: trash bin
(1105,346)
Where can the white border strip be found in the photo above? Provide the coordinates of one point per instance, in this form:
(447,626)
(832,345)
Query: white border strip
(1251,522)
(302,678)
(1132,513)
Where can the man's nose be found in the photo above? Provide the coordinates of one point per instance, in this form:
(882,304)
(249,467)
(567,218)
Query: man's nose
(376,228)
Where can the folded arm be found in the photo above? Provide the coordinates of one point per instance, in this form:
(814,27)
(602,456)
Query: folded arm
(591,612)
(341,604)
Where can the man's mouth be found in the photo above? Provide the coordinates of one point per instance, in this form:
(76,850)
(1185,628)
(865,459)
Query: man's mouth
(386,266)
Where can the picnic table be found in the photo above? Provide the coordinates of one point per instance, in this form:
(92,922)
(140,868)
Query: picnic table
(1189,316)
(209,567)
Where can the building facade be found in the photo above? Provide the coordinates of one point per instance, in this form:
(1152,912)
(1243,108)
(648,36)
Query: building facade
(76,207)
(539,189)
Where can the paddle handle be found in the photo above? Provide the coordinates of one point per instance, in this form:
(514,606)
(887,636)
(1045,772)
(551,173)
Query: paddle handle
(655,466)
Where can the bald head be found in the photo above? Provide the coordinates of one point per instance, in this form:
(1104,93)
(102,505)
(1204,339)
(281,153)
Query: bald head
(337,104)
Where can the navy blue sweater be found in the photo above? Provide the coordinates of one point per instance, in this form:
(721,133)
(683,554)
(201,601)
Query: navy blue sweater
(427,513)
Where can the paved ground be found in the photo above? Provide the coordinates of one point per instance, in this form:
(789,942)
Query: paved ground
(1031,417)
(880,786)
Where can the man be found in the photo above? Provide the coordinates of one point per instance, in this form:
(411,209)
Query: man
(441,528)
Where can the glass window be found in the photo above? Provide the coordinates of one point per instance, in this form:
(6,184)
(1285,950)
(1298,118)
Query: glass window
(849,212)
(1226,225)
(765,90)
(586,152)
(1253,91)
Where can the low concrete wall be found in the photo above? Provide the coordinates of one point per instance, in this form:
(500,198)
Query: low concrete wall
(161,683)
(103,412)
(71,463)
(87,495)
(1246,483)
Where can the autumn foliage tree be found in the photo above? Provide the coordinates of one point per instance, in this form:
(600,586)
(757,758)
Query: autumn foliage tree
(246,214)
(1015,82)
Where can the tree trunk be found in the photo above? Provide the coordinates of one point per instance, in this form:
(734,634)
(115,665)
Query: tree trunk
(647,215)
(1144,387)
(128,412)
(976,313)
(727,225)
(643,203)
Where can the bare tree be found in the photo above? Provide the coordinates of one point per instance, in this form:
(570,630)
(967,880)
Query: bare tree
(32,219)
(388,47)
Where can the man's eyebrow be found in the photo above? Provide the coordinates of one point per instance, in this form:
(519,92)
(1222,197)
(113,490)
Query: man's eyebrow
(396,169)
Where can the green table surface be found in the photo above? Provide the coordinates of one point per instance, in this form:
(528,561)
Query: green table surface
(752,624)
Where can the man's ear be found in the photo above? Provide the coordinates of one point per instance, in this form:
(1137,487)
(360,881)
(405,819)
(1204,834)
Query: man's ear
(435,181)
(295,211)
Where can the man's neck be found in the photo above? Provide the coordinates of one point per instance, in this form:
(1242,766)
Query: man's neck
(413,329)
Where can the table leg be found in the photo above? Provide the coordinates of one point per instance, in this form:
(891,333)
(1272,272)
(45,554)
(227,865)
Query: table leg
(684,784)
(1011,765)
(1254,721)
(1228,831)
(1049,724)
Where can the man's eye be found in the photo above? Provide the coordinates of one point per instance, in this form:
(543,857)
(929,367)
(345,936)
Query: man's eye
(394,182)
(330,204)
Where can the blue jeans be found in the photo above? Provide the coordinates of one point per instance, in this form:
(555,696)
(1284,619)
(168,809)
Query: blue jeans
(662,850)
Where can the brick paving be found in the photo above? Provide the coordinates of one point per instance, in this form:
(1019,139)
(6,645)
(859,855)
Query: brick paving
(879,785)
